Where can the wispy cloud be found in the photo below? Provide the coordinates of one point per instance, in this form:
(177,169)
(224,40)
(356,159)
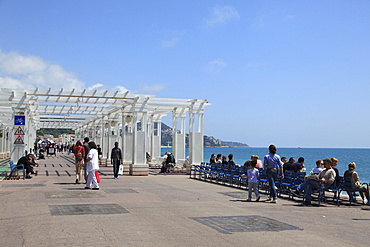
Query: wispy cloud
(216,65)
(153,88)
(253,65)
(121,89)
(27,71)
(95,86)
(259,22)
(172,39)
(289,17)
(170,42)
(222,14)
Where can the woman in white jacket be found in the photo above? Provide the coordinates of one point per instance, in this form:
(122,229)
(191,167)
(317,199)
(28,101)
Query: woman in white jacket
(92,165)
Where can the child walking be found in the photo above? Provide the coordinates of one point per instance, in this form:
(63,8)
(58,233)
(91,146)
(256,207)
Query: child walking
(252,175)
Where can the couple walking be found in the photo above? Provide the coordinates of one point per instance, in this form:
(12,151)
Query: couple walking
(87,159)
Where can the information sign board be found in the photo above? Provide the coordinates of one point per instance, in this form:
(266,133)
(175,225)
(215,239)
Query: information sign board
(19,120)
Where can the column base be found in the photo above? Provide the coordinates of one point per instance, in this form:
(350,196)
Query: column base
(139,169)
(126,168)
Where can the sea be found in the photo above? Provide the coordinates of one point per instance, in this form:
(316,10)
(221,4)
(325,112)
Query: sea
(345,155)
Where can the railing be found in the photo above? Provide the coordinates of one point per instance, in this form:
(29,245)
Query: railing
(4,167)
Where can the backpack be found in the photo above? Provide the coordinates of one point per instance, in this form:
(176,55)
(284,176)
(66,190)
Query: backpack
(79,156)
(172,159)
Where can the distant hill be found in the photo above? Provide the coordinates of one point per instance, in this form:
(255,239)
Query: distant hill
(53,132)
(209,141)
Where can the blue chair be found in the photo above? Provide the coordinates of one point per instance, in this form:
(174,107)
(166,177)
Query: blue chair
(243,181)
(298,179)
(263,181)
(203,171)
(221,175)
(286,183)
(346,185)
(14,168)
(239,180)
(208,172)
(198,170)
(214,172)
(333,188)
(231,172)
(193,171)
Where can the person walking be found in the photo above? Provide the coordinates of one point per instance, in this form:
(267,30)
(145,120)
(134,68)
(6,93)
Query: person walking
(79,153)
(116,159)
(92,165)
(86,147)
(100,153)
(274,167)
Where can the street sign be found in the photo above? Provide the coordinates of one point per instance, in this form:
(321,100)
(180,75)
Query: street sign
(19,131)
(19,140)
(19,120)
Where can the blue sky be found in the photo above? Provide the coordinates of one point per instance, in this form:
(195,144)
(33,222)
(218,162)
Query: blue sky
(292,73)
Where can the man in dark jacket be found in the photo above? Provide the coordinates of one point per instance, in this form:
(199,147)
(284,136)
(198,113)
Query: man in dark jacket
(116,159)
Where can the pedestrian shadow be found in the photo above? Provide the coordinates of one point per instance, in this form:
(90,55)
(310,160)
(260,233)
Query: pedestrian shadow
(239,200)
(80,188)
(64,183)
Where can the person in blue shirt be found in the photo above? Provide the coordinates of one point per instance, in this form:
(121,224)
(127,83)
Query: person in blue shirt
(274,167)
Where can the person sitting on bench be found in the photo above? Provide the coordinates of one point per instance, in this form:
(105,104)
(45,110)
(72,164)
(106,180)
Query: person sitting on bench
(26,161)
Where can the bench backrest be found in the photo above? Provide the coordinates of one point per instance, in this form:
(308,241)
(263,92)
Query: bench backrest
(11,163)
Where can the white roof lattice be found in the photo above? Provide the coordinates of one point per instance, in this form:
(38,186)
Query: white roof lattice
(72,109)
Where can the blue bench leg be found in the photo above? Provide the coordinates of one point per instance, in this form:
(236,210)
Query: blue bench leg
(10,175)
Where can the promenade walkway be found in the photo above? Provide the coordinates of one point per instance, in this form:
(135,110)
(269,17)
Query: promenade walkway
(162,210)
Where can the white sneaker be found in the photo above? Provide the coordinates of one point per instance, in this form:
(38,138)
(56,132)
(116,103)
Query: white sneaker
(274,201)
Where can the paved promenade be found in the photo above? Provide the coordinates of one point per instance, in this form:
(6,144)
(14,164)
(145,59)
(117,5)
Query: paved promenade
(162,210)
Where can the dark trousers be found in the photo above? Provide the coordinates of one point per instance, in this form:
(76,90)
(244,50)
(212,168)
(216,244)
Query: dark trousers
(116,164)
(28,168)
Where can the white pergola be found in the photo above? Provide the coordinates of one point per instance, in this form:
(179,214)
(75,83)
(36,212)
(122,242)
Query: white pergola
(133,120)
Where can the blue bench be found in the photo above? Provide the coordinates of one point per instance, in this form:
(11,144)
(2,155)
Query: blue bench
(14,168)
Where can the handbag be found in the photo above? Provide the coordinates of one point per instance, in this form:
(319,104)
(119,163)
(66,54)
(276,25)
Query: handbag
(312,176)
(97,176)
(120,170)
(359,185)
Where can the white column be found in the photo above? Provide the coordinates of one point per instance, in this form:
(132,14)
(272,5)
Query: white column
(127,143)
(139,166)
(105,151)
(2,140)
(196,146)
(101,135)
(149,135)
(93,133)
(178,137)
(8,141)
